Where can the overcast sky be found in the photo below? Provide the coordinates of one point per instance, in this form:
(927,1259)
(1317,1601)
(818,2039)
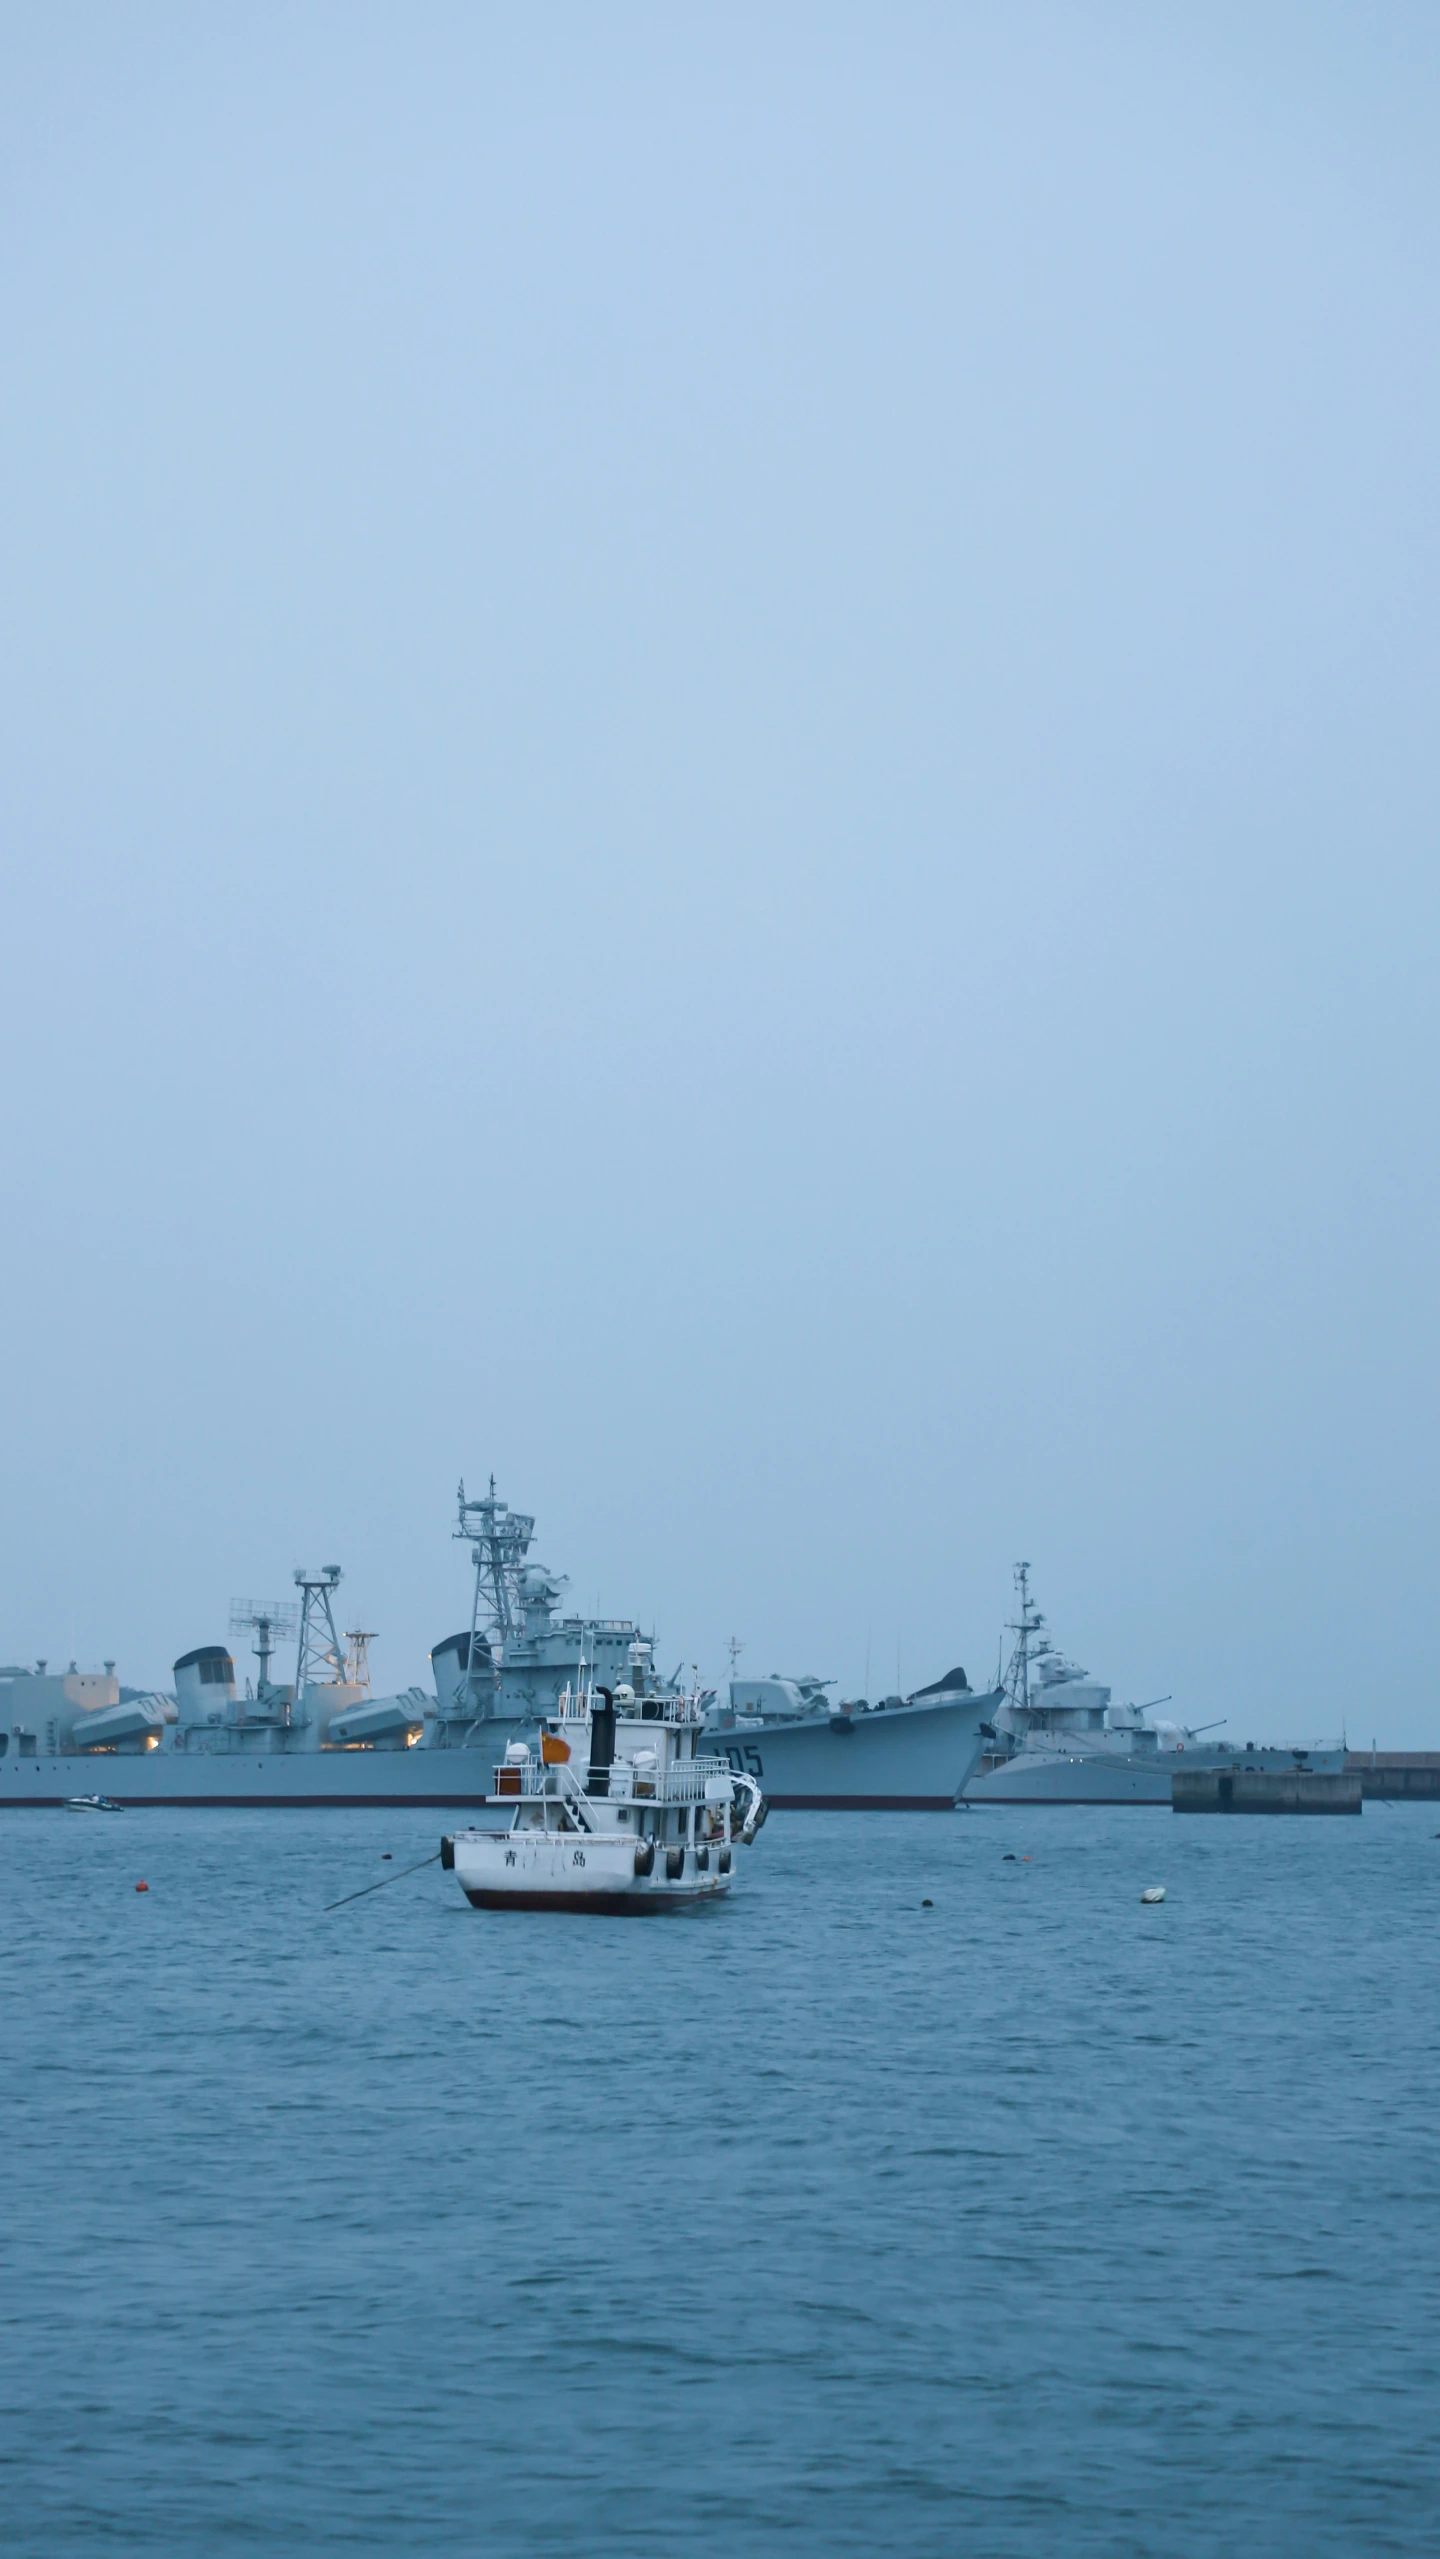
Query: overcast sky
(719,759)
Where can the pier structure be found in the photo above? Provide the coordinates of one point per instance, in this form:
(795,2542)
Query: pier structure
(1264,1790)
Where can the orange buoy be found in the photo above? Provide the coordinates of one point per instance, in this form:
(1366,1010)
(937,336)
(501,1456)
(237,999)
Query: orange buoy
(142,1888)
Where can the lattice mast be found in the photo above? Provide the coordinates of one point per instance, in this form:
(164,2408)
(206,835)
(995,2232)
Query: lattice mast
(319,1659)
(1028,1629)
(499,1541)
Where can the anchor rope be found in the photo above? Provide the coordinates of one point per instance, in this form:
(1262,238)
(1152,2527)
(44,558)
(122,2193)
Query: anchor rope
(384,1880)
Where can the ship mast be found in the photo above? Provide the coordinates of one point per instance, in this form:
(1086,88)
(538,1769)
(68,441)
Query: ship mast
(1025,1628)
(318,1654)
(499,1540)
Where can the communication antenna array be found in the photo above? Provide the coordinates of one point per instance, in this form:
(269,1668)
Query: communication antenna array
(267,1620)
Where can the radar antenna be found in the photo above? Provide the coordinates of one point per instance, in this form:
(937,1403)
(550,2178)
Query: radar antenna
(267,1620)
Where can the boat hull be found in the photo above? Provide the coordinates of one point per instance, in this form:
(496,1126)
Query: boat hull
(632,1905)
(545,1870)
(1041,1780)
(906,1759)
(437,1780)
(1053,1777)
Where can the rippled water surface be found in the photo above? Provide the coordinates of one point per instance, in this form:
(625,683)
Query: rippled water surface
(1034,2222)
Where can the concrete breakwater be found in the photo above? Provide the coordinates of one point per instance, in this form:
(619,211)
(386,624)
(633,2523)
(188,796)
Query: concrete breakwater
(1396,1774)
(1264,1790)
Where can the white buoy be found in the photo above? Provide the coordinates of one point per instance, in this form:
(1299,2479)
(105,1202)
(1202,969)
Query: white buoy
(1153,1892)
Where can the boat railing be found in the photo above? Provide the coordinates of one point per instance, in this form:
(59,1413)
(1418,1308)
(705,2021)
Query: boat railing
(577,1705)
(684,1782)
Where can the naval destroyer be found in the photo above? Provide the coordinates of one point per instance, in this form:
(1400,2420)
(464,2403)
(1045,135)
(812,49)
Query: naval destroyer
(1059,1740)
(904,1755)
(322,1738)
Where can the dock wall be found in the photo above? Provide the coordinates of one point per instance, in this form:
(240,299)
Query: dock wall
(1264,1790)
(1396,1774)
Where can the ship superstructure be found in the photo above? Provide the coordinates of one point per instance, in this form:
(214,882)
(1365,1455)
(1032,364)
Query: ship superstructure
(320,1737)
(517,1656)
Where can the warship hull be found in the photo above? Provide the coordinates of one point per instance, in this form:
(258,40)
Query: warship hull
(1055,1777)
(904,1759)
(907,1759)
(438,1780)
(1034,1777)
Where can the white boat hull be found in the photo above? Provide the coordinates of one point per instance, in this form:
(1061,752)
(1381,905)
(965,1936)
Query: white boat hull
(548,1870)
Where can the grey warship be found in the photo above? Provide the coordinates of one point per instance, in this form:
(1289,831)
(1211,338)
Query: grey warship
(1059,1739)
(322,1738)
(911,1754)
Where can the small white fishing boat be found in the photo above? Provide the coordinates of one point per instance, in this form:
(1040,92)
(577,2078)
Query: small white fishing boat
(619,1812)
(92,1804)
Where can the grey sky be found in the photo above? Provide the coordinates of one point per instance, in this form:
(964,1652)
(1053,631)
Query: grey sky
(720,757)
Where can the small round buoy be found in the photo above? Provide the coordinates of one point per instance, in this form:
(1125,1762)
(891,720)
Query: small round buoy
(142,1888)
(927,1905)
(1153,1892)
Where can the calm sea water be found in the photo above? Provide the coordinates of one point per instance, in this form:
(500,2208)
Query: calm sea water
(1034,2222)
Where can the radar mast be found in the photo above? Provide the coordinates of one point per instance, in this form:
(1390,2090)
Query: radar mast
(319,1660)
(1028,1630)
(499,1541)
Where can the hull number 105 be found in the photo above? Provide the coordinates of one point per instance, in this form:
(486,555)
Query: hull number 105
(745,1759)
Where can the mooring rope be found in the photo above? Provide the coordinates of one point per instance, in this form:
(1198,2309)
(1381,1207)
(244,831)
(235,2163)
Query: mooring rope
(380,1887)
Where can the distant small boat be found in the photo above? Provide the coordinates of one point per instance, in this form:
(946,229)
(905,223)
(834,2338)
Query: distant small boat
(92,1804)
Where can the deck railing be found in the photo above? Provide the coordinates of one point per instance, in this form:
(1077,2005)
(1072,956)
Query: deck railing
(683,1782)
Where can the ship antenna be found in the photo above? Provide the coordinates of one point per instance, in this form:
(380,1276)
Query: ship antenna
(1028,1624)
(358,1641)
(265,1620)
(499,1540)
